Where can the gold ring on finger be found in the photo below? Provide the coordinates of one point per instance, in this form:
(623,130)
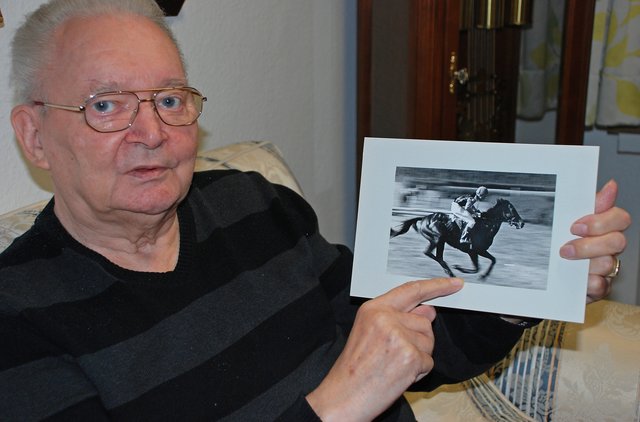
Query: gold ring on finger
(616,269)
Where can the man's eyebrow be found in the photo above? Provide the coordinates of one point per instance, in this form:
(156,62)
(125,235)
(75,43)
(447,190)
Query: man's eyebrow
(96,86)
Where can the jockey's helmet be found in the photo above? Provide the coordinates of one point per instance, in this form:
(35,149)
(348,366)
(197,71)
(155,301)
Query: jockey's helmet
(481,192)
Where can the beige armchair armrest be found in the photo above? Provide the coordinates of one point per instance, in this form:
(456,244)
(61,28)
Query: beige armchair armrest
(558,372)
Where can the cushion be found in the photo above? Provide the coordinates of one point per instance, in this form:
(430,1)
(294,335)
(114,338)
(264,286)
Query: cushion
(14,223)
(263,157)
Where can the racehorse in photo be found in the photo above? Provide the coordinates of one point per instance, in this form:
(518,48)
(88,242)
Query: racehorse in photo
(440,228)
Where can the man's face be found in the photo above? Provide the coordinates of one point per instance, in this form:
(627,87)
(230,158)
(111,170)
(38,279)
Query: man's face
(144,169)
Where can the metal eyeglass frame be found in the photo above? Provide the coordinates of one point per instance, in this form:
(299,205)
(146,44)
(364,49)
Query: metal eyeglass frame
(82,108)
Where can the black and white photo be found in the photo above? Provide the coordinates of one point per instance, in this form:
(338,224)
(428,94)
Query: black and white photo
(493,214)
(489,227)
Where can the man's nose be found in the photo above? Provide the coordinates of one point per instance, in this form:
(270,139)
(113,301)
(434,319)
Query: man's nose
(147,127)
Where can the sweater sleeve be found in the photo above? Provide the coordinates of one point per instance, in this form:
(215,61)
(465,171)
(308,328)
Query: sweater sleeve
(299,411)
(332,262)
(37,381)
(467,343)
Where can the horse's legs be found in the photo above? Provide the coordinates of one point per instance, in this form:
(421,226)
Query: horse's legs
(487,255)
(474,259)
(438,257)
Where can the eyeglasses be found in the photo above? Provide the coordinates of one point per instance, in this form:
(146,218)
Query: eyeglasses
(116,110)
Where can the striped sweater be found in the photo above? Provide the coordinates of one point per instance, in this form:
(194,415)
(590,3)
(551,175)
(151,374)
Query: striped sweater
(250,320)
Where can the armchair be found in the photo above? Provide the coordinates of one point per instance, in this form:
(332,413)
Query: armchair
(558,371)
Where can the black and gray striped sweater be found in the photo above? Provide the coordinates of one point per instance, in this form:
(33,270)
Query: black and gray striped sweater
(251,319)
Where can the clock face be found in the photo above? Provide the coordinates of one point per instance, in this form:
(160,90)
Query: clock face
(170,7)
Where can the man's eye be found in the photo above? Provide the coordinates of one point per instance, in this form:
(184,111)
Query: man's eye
(170,102)
(103,106)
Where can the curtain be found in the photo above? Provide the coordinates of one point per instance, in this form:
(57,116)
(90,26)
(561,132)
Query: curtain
(614,77)
(540,58)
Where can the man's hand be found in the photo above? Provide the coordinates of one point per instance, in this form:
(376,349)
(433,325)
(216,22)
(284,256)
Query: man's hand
(602,240)
(389,348)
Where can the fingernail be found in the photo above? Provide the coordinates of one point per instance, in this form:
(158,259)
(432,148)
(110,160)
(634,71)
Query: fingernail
(568,251)
(457,281)
(579,229)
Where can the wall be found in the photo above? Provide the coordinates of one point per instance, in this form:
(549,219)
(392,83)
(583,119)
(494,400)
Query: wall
(619,160)
(278,70)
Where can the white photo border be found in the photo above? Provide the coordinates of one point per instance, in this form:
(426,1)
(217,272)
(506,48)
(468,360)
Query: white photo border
(575,168)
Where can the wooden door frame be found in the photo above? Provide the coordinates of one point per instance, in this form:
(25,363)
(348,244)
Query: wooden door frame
(436,34)
(574,71)
(363,78)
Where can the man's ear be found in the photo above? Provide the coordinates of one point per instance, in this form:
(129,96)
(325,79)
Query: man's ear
(26,123)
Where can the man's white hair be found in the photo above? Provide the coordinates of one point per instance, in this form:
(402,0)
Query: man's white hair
(32,47)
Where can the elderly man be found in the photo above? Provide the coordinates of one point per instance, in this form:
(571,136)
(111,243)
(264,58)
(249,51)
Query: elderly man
(144,291)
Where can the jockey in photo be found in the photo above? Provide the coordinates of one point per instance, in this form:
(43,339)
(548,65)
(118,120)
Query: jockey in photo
(464,208)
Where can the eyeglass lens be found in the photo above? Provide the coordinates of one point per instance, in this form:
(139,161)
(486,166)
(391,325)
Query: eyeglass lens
(111,112)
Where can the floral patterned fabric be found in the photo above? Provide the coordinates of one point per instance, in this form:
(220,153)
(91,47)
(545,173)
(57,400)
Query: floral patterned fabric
(541,56)
(614,82)
(263,157)
(560,372)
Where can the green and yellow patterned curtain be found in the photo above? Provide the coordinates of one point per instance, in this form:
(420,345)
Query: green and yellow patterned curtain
(540,57)
(614,79)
